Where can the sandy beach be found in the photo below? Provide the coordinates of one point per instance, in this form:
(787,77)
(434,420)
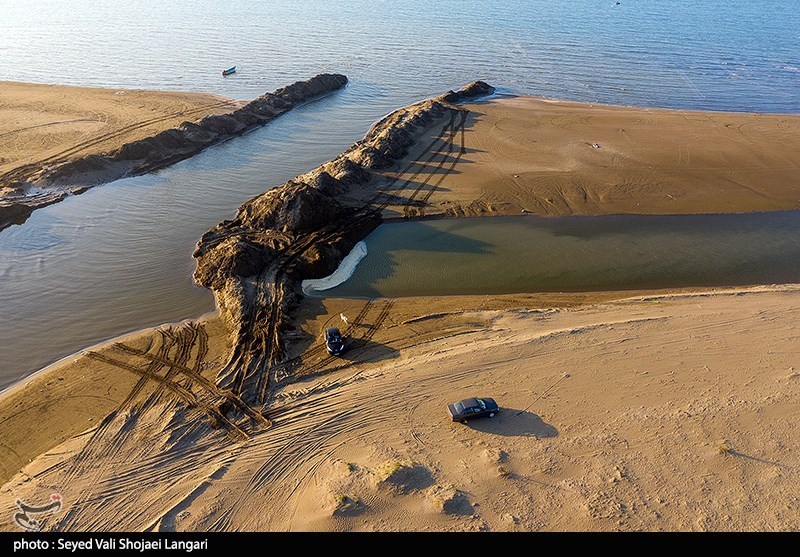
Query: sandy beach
(670,412)
(526,154)
(59,140)
(43,123)
(620,411)
(46,128)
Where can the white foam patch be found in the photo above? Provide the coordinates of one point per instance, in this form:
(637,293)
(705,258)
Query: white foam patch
(346,269)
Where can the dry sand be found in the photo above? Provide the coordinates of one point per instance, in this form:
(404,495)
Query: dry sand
(41,124)
(547,157)
(673,412)
(631,411)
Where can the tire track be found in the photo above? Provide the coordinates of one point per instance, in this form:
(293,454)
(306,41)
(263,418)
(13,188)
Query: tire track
(182,393)
(461,152)
(321,366)
(450,148)
(185,339)
(47,125)
(259,348)
(21,172)
(293,363)
(88,450)
(348,332)
(411,198)
(290,456)
(228,397)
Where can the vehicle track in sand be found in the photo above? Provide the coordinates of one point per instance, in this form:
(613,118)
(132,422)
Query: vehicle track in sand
(183,393)
(286,367)
(76,466)
(412,203)
(258,348)
(317,417)
(24,172)
(178,381)
(356,342)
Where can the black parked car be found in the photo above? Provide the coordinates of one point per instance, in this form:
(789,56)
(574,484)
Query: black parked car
(469,408)
(334,341)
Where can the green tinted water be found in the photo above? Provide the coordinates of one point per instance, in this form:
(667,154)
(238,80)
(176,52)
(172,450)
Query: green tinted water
(534,254)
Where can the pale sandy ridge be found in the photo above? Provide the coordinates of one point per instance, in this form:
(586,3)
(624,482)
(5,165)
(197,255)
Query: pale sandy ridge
(668,412)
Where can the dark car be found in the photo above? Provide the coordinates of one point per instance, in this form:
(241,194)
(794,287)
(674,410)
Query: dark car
(469,408)
(334,341)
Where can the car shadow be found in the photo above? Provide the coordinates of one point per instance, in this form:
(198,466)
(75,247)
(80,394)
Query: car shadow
(362,350)
(514,423)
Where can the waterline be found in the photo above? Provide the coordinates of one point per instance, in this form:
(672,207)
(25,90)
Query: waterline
(508,255)
(345,270)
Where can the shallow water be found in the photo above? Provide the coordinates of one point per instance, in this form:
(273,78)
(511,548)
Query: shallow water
(508,255)
(118,257)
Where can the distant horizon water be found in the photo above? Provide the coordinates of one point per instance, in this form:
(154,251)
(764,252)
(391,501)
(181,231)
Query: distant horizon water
(715,55)
(118,258)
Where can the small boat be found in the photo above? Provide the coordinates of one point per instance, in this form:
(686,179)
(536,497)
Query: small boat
(229,71)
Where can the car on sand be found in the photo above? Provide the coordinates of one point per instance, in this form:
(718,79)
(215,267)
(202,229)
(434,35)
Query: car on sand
(334,342)
(470,408)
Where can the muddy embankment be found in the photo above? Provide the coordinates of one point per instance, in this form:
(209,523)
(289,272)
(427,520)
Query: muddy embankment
(302,229)
(35,185)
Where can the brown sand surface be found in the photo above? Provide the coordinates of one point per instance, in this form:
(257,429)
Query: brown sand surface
(548,157)
(76,393)
(673,411)
(634,411)
(53,124)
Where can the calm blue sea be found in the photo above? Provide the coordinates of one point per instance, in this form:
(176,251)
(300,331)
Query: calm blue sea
(118,257)
(714,54)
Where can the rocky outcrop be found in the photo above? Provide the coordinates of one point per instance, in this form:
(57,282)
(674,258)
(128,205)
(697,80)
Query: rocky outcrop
(158,151)
(301,229)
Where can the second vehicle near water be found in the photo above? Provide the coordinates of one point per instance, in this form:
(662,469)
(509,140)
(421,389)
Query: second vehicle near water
(334,342)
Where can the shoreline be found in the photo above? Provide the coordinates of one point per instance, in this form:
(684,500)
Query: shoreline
(698,111)
(25,379)
(134,147)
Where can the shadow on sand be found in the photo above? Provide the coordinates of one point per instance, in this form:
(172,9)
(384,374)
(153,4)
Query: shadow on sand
(514,423)
(361,350)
